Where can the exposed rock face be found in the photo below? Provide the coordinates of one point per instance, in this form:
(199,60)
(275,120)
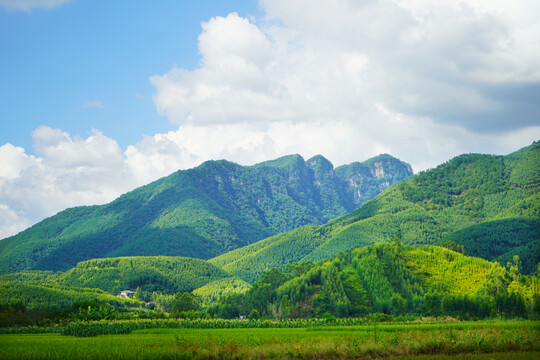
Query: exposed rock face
(365,180)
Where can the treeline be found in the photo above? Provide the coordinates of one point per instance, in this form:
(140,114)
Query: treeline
(389,278)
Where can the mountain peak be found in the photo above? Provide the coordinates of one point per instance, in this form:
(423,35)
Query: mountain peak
(320,162)
(283,162)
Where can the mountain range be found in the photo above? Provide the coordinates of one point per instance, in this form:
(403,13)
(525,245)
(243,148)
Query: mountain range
(203,212)
(454,240)
(488,204)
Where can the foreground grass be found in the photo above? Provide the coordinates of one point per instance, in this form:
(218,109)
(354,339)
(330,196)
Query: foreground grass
(470,341)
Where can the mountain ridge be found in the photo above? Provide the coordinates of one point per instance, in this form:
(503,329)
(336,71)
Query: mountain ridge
(466,191)
(200,212)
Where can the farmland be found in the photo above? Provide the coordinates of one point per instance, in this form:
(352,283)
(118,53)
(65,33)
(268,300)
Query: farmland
(471,340)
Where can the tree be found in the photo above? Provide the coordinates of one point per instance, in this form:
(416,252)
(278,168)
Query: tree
(517,262)
(185,302)
(398,304)
(254,315)
(139,294)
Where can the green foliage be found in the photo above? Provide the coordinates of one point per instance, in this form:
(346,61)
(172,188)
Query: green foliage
(276,251)
(202,212)
(490,205)
(500,240)
(185,302)
(164,274)
(13,314)
(56,297)
(254,315)
(96,312)
(211,292)
(163,302)
(389,278)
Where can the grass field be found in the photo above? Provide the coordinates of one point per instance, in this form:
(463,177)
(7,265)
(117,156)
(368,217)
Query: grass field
(508,340)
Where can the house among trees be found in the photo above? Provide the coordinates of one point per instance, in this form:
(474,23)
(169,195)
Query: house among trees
(125,294)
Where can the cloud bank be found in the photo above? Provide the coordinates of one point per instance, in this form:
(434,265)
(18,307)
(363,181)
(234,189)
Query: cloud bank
(421,80)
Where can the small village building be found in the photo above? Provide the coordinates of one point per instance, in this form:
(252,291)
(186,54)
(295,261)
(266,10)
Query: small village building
(125,294)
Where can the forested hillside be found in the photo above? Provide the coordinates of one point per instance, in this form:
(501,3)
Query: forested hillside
(465,200)
(202,212)
(389,278)
(41,297)
(163,274)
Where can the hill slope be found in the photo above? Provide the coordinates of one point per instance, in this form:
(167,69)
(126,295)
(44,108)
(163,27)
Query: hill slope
(456,196)
(202,212)
(390,278)
(163,274)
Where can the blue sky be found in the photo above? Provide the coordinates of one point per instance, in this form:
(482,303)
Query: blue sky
(57,60)
(99,97)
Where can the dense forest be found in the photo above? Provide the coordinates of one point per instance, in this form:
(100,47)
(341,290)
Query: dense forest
(465,200)
(389,278)
(162,274)
(203,212)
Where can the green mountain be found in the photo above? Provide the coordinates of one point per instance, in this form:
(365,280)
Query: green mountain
(390,278)
(465,200)
(202,212)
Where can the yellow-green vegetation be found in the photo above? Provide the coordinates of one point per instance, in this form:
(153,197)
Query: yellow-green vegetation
(165,274)
(390,278)
(449,271)
(211,292)
(202,212)
(489,204)
(250,261)
(517,340)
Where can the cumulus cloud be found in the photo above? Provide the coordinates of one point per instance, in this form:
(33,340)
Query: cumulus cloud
(27,5)
(421,80)
(456,62)
(93,104)
(66,172)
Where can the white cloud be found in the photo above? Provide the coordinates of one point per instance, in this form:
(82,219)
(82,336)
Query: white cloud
(67,172)
(421,80)
(93,104)
(27,5)
(469,63)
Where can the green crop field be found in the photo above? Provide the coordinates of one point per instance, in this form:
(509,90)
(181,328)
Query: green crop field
(466,340)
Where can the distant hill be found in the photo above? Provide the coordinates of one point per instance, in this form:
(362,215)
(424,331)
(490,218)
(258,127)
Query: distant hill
(203,212)
(389,278)
(163,274)
(490,204)
(40,297)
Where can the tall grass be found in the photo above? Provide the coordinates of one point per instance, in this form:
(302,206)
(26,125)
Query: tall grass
(523,339)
